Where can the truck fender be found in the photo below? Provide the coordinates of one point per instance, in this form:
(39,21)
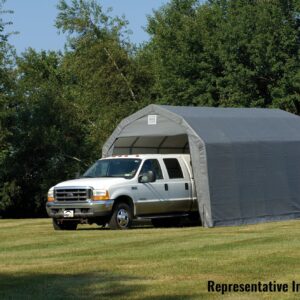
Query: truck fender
(124,196)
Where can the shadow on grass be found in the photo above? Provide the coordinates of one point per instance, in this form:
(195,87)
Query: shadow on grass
(80,286)
(146,224)
(65,286)
(172,297)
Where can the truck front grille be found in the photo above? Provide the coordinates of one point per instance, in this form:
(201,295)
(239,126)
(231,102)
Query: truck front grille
(72,194)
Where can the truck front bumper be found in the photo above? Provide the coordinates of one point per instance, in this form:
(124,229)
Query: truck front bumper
(86,209)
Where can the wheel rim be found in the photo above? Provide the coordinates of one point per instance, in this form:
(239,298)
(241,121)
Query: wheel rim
(122,218)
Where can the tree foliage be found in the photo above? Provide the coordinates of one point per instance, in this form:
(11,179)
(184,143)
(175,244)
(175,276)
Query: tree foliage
(228,53)
(106,81)
(57,109)
(6,80)
(46,132)
(7,109)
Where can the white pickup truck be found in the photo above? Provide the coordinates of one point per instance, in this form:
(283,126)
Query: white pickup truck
(116,190)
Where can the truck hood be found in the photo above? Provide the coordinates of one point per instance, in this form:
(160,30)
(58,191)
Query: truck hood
(96,183)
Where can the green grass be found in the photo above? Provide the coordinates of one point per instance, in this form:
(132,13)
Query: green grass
(37,262)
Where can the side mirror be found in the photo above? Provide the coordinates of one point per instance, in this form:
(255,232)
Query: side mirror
(77,175)
(147,177)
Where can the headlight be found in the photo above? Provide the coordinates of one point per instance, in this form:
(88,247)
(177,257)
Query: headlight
(51,195)
(100,195)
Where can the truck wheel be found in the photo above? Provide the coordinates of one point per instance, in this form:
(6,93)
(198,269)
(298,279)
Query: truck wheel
(64,226)
(121,217)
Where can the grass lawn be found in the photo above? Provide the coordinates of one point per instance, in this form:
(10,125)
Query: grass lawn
(37,262)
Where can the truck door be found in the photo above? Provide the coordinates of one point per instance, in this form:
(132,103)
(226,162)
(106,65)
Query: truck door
(178,185)
(152,196)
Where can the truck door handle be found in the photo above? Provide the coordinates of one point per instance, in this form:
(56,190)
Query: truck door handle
(166,187)
(186,186)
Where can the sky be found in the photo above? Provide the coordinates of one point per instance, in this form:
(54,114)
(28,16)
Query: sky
(34,20)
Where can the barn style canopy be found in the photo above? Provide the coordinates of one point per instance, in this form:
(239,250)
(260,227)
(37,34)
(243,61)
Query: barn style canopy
(246,161)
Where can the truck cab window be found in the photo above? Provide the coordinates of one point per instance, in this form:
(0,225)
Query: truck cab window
(152,165)
(173,168)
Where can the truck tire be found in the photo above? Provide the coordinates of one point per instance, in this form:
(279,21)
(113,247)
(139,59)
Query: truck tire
(166,222)
(64,226)
(122,217)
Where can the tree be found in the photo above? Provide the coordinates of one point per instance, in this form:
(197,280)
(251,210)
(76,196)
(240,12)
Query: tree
(176,52)
(66,105)
(227,52)
(107,83)
(47,137)
(7,85)
(6,78)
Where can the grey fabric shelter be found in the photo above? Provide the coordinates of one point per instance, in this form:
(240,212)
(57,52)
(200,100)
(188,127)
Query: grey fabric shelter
(246,161)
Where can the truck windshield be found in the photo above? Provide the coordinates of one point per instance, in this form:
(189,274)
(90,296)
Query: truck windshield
(124,167)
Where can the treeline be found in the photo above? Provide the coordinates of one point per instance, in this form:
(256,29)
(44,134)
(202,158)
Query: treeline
(58,108)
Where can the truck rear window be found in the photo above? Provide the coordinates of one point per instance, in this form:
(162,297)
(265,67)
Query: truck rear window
(173,168)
